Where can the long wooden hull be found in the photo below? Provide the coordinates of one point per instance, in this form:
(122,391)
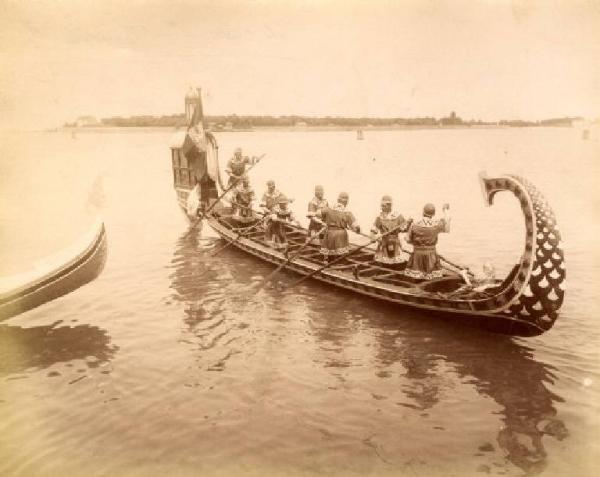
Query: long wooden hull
(55,276)
(525,303)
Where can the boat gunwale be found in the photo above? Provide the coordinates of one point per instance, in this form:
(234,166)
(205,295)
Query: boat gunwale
(379,290)
(351,285)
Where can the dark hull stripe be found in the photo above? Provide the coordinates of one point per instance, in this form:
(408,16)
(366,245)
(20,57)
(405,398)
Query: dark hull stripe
(88,266)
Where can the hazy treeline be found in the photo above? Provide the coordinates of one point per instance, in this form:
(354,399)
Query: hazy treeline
(234,121)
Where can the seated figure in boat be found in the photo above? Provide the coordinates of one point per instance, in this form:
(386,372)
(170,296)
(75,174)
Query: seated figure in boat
(484,281)
(478,286)
(236,166)
(337,219)
(242,201)
(315,206)
(424,263)
(389,249)
(279,220)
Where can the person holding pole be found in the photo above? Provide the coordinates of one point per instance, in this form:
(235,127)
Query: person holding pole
(424,263)
(389,250)
(236,166)
(267,203)
(315,206)
(337,219)
(242,203)
(279,219)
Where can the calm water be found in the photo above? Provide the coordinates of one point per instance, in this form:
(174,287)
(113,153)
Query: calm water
(165,366)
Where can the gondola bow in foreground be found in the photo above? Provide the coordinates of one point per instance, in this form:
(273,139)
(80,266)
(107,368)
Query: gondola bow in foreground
(55,275)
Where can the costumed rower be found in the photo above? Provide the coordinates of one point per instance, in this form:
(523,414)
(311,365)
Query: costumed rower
(243,197)
(269,198)
(236,166)
(337,220)
(424,263)
(268,201)
(315,206)
(278,220)
(389,250)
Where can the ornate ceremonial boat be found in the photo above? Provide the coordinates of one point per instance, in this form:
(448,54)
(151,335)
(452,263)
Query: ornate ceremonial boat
(525,302)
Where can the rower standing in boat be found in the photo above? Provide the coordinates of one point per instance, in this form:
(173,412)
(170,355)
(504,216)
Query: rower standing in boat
(269,198)
(389,250)
(315,206)
(424,263)
(337,220)
(236,166)
(242,203)
(267,203)
(279,219)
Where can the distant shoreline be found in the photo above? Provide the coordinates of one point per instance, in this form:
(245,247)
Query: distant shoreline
(300,128)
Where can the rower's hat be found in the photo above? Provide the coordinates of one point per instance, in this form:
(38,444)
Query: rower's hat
(282,199)
(343,195)
(270,182)
(386,199)
(238,150)
(429,210)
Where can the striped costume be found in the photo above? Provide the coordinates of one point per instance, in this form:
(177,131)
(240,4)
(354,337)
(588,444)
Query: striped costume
(424,264)
(277,226)
(337,219)
(315,206)
(389,250)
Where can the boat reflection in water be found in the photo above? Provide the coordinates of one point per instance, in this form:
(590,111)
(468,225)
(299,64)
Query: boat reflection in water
(40,347)
(326,341)
(193,278)
(209,286)
(424,353)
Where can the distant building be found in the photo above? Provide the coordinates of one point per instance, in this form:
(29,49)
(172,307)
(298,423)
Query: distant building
(301,124)
(86,121)
(451,120)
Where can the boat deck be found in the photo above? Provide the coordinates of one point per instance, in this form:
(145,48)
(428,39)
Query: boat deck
(358,267)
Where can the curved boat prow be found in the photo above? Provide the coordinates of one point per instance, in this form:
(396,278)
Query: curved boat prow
(56,275)
(534,290)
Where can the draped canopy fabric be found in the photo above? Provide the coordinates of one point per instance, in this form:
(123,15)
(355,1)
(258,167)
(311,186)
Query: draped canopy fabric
(199,148)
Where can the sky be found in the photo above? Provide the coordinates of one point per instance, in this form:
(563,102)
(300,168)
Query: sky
(487,59)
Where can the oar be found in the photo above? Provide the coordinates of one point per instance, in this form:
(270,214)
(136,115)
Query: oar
(240,236)
(260,212)
(308,241)
(459,267)
(233,184)
(408,223)
(342,257)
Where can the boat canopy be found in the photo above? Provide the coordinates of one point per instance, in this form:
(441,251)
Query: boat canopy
(199,151)
(177,139)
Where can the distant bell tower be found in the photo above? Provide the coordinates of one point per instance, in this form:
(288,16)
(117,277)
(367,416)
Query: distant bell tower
(191,100)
